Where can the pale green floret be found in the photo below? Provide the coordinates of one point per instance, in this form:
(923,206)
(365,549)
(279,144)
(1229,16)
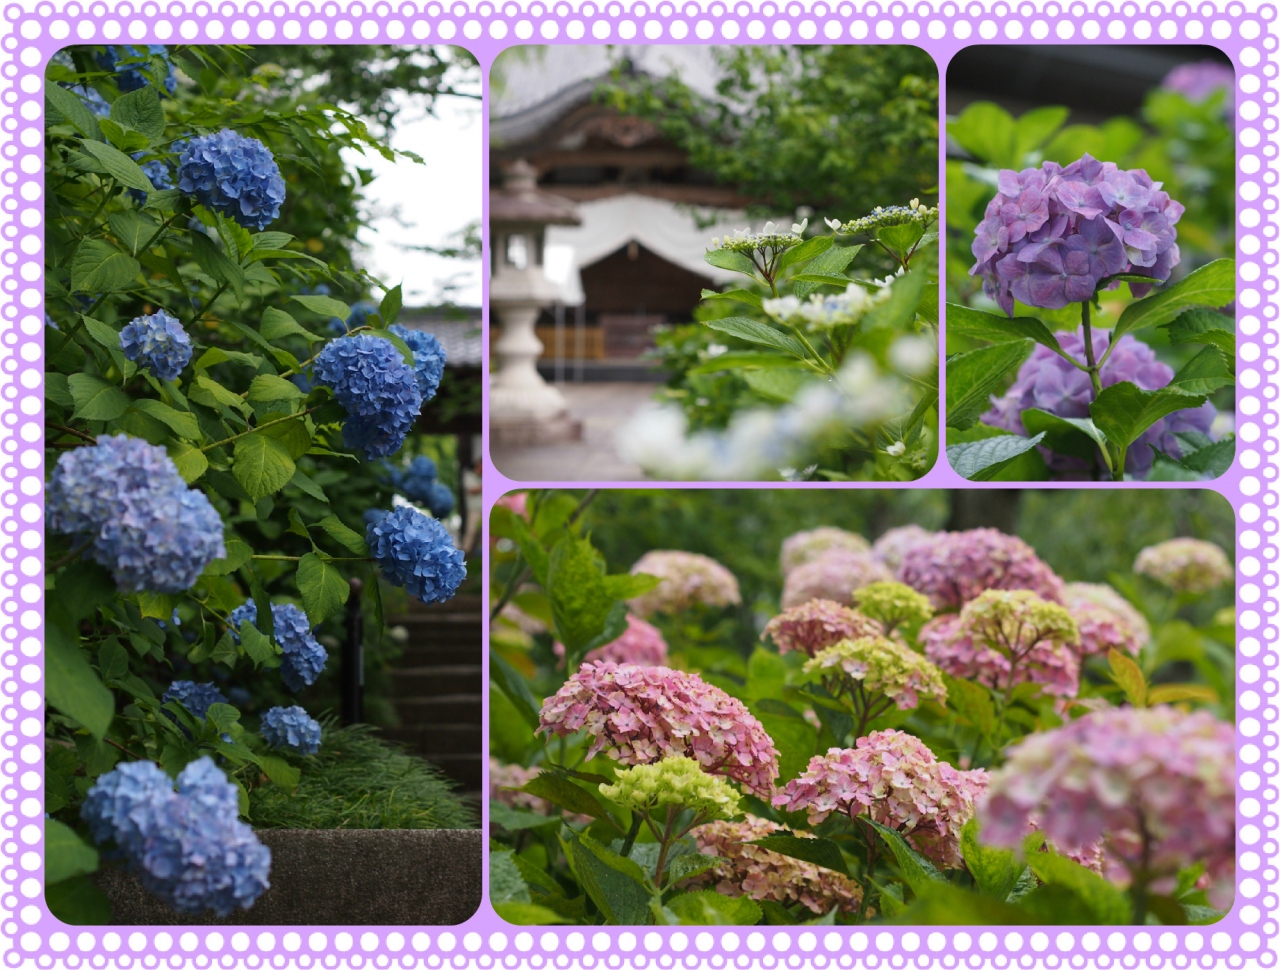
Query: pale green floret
(1013,621)
(894,215)
(677,781)
(772,239)
(880,665)
(893,604)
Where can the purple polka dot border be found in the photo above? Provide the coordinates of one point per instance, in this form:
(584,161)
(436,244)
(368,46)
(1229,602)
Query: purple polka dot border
(27,40)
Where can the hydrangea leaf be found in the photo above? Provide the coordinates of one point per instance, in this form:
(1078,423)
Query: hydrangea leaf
(1204,373)
(528,914)
(988,132)
(978,461)
(256,645)
(807,250)
(268,387)
(210,393)
(1035,127)
(325,306)
(744,360)
(123,137)
(518,819)
(1068,436)
(271,240)
(1129,676)
(132,229)
(405,351)
(973,703)
(963,321)
(141,111)
(708,908)
(515,687)
(72,686)
(390,306)
(1202,326)
(1213,458)
(279,771)
(99,267)
(348,538)
(617,885)
(216,263)
(795,739)
(188,459)
(506,884)
(1104,903)
(778,384)
(65,853)
(900,239)
(917,871)
(942,904)
(324,591)
(1212,285)
(899,310)
(689,865)
(238,554)
(70,108)
(222,716)
(262,465)
(1123,411)
(96,399)
(564,793)
(820,852)
(118,165)
(996,871)
(739,296)
(580,603)
(759,333)
(181,423)
(276,325)
(832,263)
(973,377)
(728,259)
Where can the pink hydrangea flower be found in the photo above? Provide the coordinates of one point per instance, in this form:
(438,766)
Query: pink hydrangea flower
(688,579)
(956,566)
(1185,565)
(757,872)
(891,778)
(1106,620)
(1117,774)
(641,644)
(640,715)
(818,624)
(807,546)
(895,543)
(832,576)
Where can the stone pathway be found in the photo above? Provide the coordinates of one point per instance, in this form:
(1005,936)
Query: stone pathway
(602,407)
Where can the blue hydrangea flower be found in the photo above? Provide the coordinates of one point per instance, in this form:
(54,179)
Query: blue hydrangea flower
(291,728)
(429,358)
(196,698)
(89,485)
(158,343)
(160,541)
(358,317)
(98,106)
(234,175)
(374,515)
(415,551)
(439,500)
(131,78)
(304,657)
(157,173)
(380,393)
(51,323)
(174,619)
(121,803)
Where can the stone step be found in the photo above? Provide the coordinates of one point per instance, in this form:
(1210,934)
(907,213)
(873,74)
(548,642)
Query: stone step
(435,680)
(417,712)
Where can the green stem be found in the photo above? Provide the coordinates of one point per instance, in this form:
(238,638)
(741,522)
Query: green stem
(70,557)
(208,306)
(158,233)
(1095,377)
(259,427)
(819,362)
(666,847)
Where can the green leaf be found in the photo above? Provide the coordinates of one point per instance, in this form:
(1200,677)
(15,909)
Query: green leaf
(181,423)
(119,166)
(690,865)
(1129,676)
(78,902)
(917,871)
(324,591)
(141,111)
(978,461)
(262,465)
(506,884)
(405,350)
(304,482)
(348,538)
(238,554)
(325,306)
(777,383)
(963,321)
(216,263)
(832,263)
(82,587)
(279,771)
(995,871)
(728,259)
(276,324)
(99,267)
(1202,326)
(271,240)
(988,132)
(580,603)
(564,793)
(1204,373)
(759,333)
(821,279)
(515,687)
(72,686)
(292,434)
(1035,127)
(133,230)
(1123,411)
(65,853)
(807,250)
(222,716)
(70,107)
(744,360)
(821,852)
(113,660)
(122,137)
(56,389)
(617,885)
(517,819)
(1173,693)
(973,377)
(797,742)
(899,310)
(1105,904)
(96,400)
(942,904)
(256,645)
(973,703)
(899,240)
(706,907)
(1212,285)
(528,914)
(210,393)
(1079,437)
(1211,459)
(269,387)
(739,296)
(189,460)
(390,306)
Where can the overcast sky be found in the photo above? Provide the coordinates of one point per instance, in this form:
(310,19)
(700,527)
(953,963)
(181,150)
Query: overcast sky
(426,204)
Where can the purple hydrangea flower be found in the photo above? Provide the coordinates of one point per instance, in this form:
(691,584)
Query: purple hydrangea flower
(378,390)
(158,343)
(304,656)
(1197,81)
(131,78)
(416,552)
(291,728)
(1048,382)
(429,358)
(234,175)
(1052,234)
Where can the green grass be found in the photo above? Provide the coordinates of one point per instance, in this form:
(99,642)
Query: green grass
(358,781)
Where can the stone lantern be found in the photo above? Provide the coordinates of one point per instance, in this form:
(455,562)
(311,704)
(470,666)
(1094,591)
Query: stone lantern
(523,408)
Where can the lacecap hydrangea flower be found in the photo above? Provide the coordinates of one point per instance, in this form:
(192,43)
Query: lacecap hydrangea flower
(639,715)
(893,543)
(417,553)
(127,499)
(761,874)
(1106,620)
(888,215)
(817,624)
(770,241)
(158,343)
(832,576)
(1116,774)
(879,665)
(893,604)
(130,77)
(188,847)
(954,567)
(805,547)
(641,643)
(303,655)
(674,781)
(237,176)
(687,579)
(1185,565)
(826,311)
(1048,382)
(429,358)
(1052,234)
(291,728)
(377,388)
(891,778)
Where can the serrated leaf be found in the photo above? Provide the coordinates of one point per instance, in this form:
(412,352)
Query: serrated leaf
(70,107)
(405,351)
(728,259)
(122,137)
(279,771)
(72,686)
(777,383)
(65,853)
(99,267)
(832,263)
(900,239)
(899,310)
(304,482)
(222,716)
(120,166)
(141,111)
(390,306)
(1202,326)
(1173,693)
(1212,459)
(103,335)
(1204,373)
(57,390)
(324,591)
(918,872)
(348,538)
(973,377)
(1067,436)
(96,399)
(1212,285)
(690,865)
(744,360)
(216,263)
(738,296)
(269,387)
(181,423)
(805,251)
(996,871)
(132,229)
(239,552)
(963,321)
(820,852)
(972,702)
(271,240)
(262,465)
(325,306)
(617,885)
(1105,904)
(565,794)
(759,333)
(979,460)
(1124,411)
(189,460)
(1129,676)
(709,908)
(255,644)
(215,394)
(276,324)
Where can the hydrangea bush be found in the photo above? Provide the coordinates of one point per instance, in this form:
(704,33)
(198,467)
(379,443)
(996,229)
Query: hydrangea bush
(973,741)
(207,451)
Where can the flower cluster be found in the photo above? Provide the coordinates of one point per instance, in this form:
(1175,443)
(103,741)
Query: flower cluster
(126,498)
(1185,565)
(429,358)
(674,781)
(1156,784)
(1199,81)
(880,665)
(890,215)
(304,656)
(158,343)
(291,728)
(1105,619)
(754,871)
(826,311)
(644,714)
(687,579)
(817,624)
(157,173)
(893,604)
(1048,382)
(954,567)
(891,778)
(358,317)
(804,547)
(196,698)
(894,543)
(376,387)
(130,77)
(234,175)
(188,847)
(418,483)
(641,643)
(1051,235)
(770,239)
(417,553)
(832,576)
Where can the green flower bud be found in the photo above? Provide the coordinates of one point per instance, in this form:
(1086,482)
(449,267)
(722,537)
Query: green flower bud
(893,604)
(678,782)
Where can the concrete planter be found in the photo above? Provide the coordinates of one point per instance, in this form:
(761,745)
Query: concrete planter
(399,877)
